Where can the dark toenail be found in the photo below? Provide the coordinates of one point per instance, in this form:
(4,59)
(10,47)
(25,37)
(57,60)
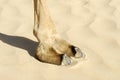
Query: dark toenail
(73,49)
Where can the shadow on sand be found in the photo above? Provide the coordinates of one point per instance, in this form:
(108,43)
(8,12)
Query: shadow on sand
(20,42)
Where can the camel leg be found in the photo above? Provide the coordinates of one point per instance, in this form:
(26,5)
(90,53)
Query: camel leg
(51,47)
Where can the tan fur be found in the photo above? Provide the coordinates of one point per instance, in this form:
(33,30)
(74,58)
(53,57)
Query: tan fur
(51,47)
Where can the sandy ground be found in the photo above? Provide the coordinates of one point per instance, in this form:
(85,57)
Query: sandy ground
(93,25)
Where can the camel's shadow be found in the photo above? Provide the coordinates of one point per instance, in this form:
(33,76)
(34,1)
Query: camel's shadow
(20,42)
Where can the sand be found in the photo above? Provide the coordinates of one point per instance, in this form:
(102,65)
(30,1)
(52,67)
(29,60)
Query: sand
(92,25)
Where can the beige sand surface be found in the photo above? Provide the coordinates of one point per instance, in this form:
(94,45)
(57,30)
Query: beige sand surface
(93,25)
